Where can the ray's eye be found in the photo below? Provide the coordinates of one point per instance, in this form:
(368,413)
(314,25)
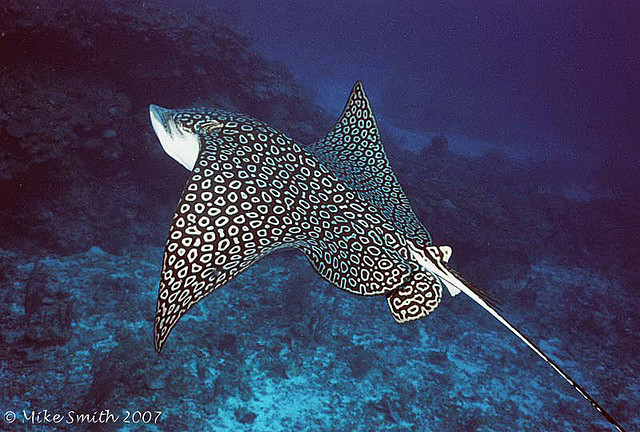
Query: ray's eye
(210,125)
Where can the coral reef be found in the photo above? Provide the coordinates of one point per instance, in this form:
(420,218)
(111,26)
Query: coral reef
(439,145)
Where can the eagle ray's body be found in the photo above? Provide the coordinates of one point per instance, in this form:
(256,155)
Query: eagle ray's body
(253,190)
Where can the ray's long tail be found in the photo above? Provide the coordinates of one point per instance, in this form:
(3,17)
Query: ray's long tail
(488,305)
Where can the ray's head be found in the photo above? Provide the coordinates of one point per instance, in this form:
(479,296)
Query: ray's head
(179,130)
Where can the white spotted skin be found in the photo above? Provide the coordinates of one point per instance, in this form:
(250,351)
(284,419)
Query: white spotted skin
(353,151)
(252,191)
(432,261)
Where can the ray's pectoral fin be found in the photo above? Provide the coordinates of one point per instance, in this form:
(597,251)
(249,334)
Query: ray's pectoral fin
(207,245)
(354,153)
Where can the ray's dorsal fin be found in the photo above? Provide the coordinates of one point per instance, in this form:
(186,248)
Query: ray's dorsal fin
(445,252)
(441,255)
(353,151)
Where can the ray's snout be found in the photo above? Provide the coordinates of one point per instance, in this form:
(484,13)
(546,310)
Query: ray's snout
(159,115)
(179,143)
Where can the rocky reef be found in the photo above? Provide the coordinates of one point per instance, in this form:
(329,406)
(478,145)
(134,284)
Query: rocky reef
(78,161)
(78,336)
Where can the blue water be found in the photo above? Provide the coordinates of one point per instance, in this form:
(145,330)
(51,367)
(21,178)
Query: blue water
(536,191)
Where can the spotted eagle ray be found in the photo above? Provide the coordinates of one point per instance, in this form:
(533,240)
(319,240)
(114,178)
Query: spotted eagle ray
(253,190)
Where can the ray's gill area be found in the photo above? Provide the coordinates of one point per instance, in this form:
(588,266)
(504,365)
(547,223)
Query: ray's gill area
(87,194)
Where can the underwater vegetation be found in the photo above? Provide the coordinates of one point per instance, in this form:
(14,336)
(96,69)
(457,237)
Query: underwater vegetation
(87,193)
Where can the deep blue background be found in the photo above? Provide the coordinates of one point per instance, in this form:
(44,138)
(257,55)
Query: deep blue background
(546,77)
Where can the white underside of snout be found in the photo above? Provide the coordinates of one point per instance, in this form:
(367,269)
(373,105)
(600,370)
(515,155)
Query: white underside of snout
(180,145)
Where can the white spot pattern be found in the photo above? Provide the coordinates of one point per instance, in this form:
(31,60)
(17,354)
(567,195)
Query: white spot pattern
(252,191)
(353,151)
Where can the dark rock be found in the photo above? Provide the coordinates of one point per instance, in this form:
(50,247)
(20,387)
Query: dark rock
(245,416)
(228,342)
(76,117)
(439,145)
